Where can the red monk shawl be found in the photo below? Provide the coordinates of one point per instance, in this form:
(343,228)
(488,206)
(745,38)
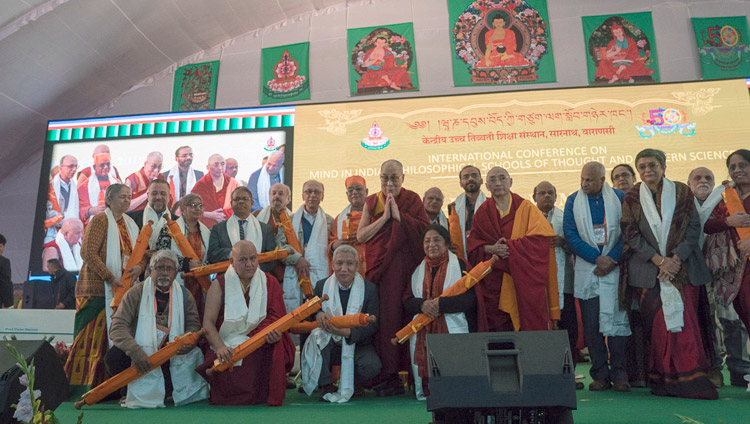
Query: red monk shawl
(522,289)
(392,255)
(212,199)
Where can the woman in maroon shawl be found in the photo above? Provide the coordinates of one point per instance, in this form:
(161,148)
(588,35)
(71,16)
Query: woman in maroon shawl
(733,286)
(664,269)
(439,270)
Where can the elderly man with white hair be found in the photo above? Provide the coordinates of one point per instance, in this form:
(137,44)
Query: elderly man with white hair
(150,315)
(352,348)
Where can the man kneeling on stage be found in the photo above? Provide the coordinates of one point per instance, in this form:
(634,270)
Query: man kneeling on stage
(149,315)
(239,304)
(348,293)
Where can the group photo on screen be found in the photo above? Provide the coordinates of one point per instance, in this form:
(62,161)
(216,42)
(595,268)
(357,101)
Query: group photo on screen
(80,172)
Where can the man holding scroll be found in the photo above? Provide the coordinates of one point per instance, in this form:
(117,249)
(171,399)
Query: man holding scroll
(240,303)
(150,315)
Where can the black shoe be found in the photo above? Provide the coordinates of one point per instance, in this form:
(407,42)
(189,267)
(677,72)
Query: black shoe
(737,380)
(291,383)
(389,389)
(579,385)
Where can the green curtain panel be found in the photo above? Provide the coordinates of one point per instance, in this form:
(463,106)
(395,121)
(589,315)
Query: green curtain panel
(621,49)
(195,87)
(382,59)
(500,42)
(285,73)
(723,48)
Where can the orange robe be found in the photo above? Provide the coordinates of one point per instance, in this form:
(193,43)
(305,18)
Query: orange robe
(83,197)
(213,199)
(521,291)
(356,216)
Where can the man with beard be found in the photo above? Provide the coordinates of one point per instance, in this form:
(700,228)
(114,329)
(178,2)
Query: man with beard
(66,247)
(91,190)
(262,179)
(139,180)
(346,224)
(433,205)
(155,210)
(182,177)
(467,203)
(391,227)
(280,195)
(150,315)
(62,196)
(86,172)
(215,188)
(623,177)
(701,182)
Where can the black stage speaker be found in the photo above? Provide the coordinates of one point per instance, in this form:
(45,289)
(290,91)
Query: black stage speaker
(39,295)
(510,377)
(49,376)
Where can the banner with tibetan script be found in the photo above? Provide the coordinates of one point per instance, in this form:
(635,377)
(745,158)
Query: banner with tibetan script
(536,135)
(382,59)
(285,74)
(500,42)
(195,87)
(621,49)
(722,46)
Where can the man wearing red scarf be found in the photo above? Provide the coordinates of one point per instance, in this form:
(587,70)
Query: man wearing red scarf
(391,226)
(521,291)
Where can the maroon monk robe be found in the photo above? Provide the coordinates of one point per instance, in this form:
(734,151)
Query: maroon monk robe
(212,199)
(262,376)
(392,255)
(528,263)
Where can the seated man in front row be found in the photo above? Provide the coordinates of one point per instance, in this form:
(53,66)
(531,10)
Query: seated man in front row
(352,348)
(239,304)
(142,325)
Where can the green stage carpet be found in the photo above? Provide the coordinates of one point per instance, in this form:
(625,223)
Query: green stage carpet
(638,406)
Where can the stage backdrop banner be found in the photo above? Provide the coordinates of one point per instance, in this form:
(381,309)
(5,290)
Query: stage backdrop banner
(382,59)
(285,74)
(195,87)
(621,48)
(723,47)
(536,135)
(500,42)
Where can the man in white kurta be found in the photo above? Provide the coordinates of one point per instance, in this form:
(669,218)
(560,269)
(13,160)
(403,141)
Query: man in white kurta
(150,315)
(469,201)
(63,195)
(311,226)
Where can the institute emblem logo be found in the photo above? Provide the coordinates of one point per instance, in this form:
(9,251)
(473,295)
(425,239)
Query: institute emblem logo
(375,139)
(286,82)
(271,145)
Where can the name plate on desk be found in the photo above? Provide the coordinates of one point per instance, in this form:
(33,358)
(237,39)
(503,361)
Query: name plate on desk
(33,324)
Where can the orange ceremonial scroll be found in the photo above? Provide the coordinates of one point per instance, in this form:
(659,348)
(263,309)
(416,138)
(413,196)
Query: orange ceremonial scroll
(291,239)
(131,374)
(734,205)
(141,245)
(51,222)
(222,266)
(343,321)
(461,286)
(259,339)
(454,225)
(187,250)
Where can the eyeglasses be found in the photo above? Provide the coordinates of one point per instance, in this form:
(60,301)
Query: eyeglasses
(103,164)
(649,165)
(185,155)
(241,199)
(164,268)
(623,175)
(195,205)
(310,191)
(468,176)
(69,166)
(392,178)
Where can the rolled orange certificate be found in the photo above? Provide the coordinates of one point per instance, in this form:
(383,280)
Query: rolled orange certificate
(454,224)
(141,245)
(342,321)
(131,374)
(461,286)
(259,339)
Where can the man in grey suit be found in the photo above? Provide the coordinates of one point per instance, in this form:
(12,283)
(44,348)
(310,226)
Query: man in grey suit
(6,286)
(242,225)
